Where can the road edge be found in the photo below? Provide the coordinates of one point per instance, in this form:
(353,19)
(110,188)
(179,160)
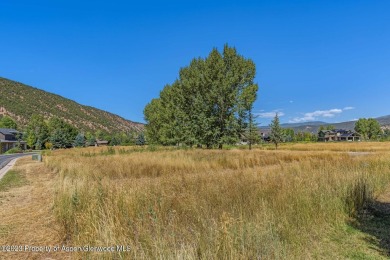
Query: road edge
(7,167)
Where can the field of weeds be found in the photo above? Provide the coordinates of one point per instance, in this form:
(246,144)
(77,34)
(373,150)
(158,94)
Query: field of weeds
(296,202)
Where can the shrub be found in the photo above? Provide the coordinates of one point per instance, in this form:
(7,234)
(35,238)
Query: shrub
(14,150)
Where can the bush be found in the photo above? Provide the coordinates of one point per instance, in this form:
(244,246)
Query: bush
(14,150)
(48,145)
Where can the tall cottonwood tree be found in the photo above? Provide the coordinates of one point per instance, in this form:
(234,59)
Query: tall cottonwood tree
(209,104)
(368,128)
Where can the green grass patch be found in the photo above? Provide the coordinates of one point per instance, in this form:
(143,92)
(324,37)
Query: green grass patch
(14,150)
(12,179)
(4,230)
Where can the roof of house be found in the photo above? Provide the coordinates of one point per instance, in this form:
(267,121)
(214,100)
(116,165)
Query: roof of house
(101,141)
(8,141)
(8,131)
(340,132)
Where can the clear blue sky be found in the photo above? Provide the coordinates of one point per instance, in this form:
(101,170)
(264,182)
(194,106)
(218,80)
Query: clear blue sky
(316,60)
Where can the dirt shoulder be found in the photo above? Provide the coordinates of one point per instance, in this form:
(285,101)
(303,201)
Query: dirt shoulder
(26,216)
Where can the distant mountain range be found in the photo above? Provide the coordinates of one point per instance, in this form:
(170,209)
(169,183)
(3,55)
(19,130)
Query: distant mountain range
(20,102)
(313,127)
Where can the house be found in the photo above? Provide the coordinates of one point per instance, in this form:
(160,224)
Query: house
(264,136)
(9,138)
(101,142)
(338,135)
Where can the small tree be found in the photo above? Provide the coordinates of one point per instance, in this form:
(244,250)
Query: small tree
(288,135)
(252,131)
(140,139)
(79,141)
(7,122)
(276,134)
(90,139)
(48,145)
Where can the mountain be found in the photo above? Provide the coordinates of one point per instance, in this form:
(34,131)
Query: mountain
(313,127)
(384,120)
(312,123)
(20,102)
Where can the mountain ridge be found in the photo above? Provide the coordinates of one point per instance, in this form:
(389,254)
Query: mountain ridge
(21,101)
(313,127)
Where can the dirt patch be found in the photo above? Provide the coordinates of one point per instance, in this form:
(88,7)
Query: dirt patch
(26,215)
(359,153)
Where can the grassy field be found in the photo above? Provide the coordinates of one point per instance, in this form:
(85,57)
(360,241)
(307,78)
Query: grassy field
(302,201)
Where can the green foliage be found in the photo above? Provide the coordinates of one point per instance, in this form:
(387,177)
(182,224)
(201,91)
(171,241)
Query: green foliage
(7,122)
(370,128)
(140,139)
(62,134)
(374,129)
(276,134)
(79,141)
(305,137)
(288,135)
(252,131)
(11,179)
(90,139)
(14,150)
(37,132)
(208,105)
(386,135)
(48,145)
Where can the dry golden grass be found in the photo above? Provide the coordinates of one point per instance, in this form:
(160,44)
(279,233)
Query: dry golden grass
(26,216)
(208,204)
(340,146)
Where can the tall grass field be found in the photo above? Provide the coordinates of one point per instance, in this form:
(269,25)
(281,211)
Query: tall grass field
(299,202)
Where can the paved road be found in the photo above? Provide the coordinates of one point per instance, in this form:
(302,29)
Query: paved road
(4,159)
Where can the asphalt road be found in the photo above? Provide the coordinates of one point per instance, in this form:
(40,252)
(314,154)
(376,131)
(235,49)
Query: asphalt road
(5,159)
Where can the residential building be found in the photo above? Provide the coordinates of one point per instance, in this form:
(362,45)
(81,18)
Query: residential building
(338,135)
(10,138)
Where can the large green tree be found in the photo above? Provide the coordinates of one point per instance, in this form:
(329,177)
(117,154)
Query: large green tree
(209,104)
(374,129)
(37,132)
(62,134)
(368,128)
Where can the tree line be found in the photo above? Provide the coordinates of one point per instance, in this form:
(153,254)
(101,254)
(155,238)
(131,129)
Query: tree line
(369,129)
(57,133)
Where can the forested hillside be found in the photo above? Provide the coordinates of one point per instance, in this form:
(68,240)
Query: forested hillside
(20,102)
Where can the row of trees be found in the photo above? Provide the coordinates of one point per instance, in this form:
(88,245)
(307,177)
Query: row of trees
(369,129)
(57,133)
(279,135)
(209,104)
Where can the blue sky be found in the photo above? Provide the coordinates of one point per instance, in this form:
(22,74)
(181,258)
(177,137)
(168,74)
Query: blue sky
(316,60)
